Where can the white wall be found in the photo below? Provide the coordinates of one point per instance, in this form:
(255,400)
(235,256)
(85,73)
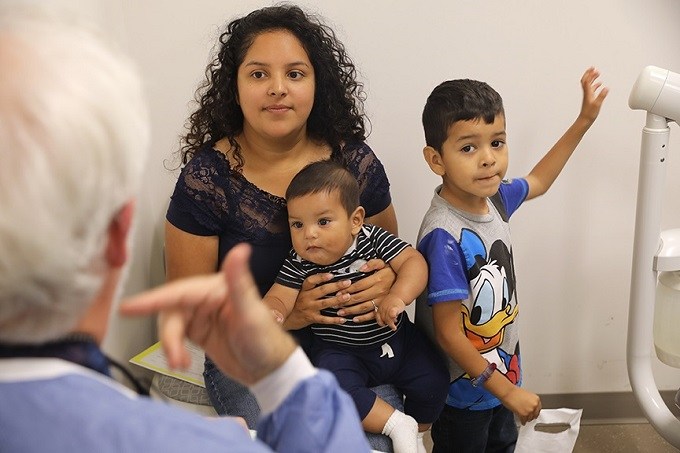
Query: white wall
(572,247)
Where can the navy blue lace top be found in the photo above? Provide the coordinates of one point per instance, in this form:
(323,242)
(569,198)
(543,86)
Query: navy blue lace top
(212,199)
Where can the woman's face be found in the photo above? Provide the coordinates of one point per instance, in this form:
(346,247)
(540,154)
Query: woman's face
(275,86)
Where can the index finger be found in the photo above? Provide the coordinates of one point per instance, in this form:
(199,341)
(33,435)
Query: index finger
(184,293)
(172,331)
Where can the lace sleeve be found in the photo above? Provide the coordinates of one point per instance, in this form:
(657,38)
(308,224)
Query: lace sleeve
(369,171)
(199,196)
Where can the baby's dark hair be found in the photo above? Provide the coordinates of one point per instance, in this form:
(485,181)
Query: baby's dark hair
(458,100)
(337,116)
(326,176)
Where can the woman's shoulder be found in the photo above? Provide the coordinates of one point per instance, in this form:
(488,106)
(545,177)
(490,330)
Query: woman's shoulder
(358,156)
(370,173)
(205,171)
(357,149)
(207,157)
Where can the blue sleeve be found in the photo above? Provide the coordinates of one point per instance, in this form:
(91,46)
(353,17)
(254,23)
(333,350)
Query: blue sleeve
(316,417)
(447,279)
(513,193)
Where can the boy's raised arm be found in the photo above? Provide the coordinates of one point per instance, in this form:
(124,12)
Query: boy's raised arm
(549,167)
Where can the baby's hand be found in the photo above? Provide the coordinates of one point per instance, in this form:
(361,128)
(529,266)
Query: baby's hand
(592,98)
(389,309)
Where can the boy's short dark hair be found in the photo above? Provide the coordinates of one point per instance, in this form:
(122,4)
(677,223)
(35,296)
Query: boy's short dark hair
(458,100)
(326,176)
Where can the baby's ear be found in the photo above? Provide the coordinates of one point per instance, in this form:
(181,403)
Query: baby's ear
(357,219)
(434,160)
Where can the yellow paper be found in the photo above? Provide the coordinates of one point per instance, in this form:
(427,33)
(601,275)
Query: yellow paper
(153,358)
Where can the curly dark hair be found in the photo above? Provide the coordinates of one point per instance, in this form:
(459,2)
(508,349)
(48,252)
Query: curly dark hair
(338,114)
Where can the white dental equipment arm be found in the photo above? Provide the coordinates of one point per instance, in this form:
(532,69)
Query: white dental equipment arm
(656,91)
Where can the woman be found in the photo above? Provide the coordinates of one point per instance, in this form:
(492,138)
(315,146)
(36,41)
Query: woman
(281,93)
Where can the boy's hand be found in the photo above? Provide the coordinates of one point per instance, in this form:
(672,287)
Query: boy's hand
(388,310)
(524,404)
(592,98)
(546,171)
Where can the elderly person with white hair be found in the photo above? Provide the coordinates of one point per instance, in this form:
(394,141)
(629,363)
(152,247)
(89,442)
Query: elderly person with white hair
(73,139)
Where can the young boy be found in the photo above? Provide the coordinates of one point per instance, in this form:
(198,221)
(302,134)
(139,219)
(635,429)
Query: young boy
(471,307)
(329,236)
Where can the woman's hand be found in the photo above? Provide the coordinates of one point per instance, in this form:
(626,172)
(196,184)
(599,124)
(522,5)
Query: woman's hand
(358,300)
(361,298)
(312,299)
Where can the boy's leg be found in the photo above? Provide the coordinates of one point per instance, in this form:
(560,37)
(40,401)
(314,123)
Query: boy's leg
(403,430)
(417,369)
(376,415)
(422,375)
(466,431)
(394,398)
(461,430)
(352,376)
(502,431)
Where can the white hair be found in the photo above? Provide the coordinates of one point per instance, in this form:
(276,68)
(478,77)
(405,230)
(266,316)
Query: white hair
(74,136)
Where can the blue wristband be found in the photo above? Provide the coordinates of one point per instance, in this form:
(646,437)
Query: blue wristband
(486,374)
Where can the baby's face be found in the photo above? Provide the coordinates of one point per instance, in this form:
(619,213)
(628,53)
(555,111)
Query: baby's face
(321,228)
(474,159)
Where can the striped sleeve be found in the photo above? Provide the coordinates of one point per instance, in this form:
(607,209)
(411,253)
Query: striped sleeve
(385,243)
(292,274)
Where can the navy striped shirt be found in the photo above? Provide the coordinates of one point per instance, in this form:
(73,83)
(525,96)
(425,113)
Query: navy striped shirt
(371,242)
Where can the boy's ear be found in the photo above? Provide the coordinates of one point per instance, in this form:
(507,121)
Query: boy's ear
(434,160)
(357,219)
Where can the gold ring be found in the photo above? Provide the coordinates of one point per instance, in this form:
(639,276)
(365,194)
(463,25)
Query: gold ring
(375,307)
